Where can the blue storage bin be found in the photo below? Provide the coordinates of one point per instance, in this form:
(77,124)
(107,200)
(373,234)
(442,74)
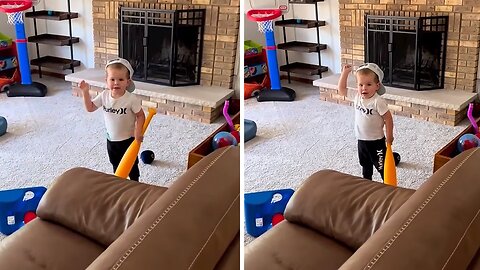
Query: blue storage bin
(260,207)
(14,204)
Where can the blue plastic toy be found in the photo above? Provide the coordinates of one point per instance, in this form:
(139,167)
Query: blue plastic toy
(261,207)
(16,205)
(3,125)
(250,128)
(222,139)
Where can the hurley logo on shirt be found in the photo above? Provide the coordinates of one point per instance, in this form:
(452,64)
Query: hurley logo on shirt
(364,110)
(117,111)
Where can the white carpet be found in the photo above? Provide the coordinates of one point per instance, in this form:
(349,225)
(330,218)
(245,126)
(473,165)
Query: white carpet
(296,139)
(48,135)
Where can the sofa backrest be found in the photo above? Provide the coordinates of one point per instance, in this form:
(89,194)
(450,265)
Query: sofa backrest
(437,228)
(350,217)
(97,205)
(190,226)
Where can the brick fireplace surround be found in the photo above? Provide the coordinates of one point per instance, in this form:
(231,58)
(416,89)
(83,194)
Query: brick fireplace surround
(461,59)
(218,61)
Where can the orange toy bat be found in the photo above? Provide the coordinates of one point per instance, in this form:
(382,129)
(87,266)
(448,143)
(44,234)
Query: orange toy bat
(389,170)
(131,154)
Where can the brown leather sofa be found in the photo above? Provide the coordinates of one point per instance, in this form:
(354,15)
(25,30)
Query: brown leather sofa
(91,220)
(338,221)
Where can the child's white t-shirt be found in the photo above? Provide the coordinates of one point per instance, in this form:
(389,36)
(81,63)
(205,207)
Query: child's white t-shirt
(119,114)
(368,117)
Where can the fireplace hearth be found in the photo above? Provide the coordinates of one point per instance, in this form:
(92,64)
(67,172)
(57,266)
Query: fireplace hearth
(410,50)
(163,46)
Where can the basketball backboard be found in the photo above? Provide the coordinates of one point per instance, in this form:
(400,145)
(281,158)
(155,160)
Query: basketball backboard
(267,4)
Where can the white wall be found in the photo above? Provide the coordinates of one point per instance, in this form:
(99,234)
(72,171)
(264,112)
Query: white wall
(329,34)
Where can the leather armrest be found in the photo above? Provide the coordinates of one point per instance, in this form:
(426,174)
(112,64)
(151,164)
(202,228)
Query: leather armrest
(97,205)
(344,207)
(190,226)
(437,228)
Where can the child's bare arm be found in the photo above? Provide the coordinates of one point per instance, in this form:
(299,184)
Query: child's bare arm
(388,119)
(89,106)
(342,82)
(139,121)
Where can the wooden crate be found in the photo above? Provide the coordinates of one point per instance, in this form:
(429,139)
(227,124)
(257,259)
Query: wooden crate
(205,147)
(450,150)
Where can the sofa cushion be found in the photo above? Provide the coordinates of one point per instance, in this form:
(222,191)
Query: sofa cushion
(290,246)
(98,205)
(437,228)
(41,245)
(190,226)
(347,208)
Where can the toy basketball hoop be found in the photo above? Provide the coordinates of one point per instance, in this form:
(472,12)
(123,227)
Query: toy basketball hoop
(14,10)
(264,18)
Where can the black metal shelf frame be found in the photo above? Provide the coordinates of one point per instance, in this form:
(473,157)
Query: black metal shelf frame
(38,61)
(301,23)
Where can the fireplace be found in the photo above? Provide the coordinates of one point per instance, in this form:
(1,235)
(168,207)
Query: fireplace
(410,50)
(163,46)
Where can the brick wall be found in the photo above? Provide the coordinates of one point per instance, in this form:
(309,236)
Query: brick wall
(220,38)
(463,32)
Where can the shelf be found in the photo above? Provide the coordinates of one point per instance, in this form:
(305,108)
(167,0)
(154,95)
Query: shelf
(300,46)
(51,15)
(302,68)
(51,39)
(300,23)
(54,62)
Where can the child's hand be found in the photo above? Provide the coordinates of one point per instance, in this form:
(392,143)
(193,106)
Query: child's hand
(389,140)
(347,68)
(84,87)
(139,137)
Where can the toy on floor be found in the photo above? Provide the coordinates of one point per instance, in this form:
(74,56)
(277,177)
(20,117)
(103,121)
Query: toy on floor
(265,209)
(472,119)
(14,10)
(18,207)
(128,159)
(264,18)
(222,139)
(389,172)
(250,129)
(467,141)
(234,129)
(147,156)
(3,125)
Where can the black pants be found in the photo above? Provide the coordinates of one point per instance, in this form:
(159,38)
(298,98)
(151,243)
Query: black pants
(371,154)
(116,150)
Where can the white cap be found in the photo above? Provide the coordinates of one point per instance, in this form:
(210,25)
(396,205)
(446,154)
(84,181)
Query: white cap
(376,69)
(125,63)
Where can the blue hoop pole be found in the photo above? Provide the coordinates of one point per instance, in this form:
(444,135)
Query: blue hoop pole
(273,70)
(22,52)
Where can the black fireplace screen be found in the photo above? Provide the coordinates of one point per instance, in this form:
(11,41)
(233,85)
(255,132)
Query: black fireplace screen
(163,46)
(410,50)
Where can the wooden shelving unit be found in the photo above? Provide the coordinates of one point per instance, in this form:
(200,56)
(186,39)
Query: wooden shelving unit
(301,46)
(53,62)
